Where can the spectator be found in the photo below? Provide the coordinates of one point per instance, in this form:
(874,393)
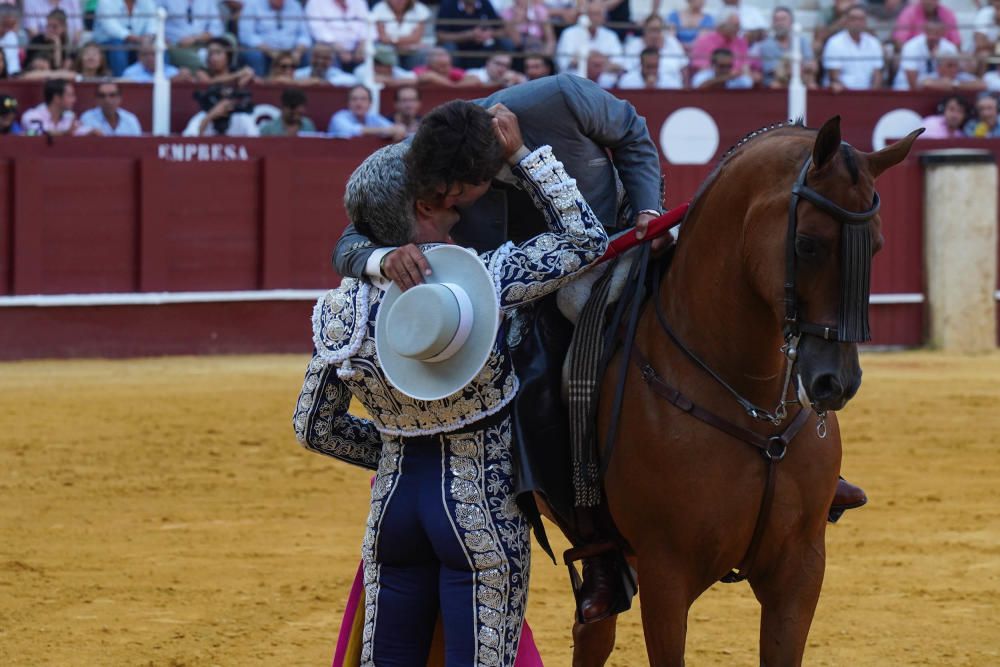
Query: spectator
(986,30)
(387,71)
(952,112)
(108,118)
(293,118)
(144,69)
(992,81)
(498,72)
(853,57)
(919,55)
(650,73)
(121,27)
(914,16)
(672,59)
(407,112)
(528,27)
(219,65)
(225,113)
(4,74)
(401,24)
(322,70)
(536,67)
(688,23)
(753,23)
(36,14)
(8,116)
(562,13)
(10,37)
(440,70)
(358,120)
(55,115)
(725,36)
(722,74)
(282,67)
(773,53)
(577,40)
(985,124)
(471,25)
(53,43)
(90,63)
(833,20)
(268,27)
(599,70)
(190,25)
(344,25)
(950,76)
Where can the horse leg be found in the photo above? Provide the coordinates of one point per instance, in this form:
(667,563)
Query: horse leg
(666,598)
(593,642)
(788,593)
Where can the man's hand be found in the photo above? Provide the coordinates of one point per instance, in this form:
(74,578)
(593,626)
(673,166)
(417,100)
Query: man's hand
(642,225)
(222,109)
(507,130)
(406,266)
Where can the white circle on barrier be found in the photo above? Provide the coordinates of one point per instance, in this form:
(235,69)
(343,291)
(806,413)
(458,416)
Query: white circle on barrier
(689,136)
(896,124)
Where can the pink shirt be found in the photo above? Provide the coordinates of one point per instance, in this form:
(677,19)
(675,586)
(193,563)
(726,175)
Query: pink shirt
(701,51)
(936,128)
(39,118)
(911,22)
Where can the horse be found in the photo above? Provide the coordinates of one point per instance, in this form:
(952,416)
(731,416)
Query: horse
(767,289)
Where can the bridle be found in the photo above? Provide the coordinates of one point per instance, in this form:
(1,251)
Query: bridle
(856,258)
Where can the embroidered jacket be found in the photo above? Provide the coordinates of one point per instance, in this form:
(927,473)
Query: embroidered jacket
(345,361)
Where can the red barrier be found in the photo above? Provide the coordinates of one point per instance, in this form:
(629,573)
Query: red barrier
(95,216)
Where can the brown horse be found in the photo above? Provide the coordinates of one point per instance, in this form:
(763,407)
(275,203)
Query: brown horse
(688,493)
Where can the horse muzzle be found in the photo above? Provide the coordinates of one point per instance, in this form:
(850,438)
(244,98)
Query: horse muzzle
(829,373)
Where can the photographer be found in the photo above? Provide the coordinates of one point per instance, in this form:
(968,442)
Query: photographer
(225,112)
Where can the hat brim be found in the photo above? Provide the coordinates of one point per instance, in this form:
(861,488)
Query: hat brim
(433,381)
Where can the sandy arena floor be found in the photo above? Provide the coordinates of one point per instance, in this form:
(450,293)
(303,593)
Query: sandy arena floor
(160,512)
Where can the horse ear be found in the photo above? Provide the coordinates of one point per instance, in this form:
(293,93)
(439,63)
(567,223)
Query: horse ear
(827,142)
(890,156)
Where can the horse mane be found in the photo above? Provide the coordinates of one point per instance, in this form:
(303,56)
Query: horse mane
(797,124)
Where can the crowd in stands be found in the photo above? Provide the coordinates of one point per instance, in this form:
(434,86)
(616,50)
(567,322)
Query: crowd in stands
(227,44)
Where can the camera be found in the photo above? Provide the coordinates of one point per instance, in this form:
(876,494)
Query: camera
(212,95)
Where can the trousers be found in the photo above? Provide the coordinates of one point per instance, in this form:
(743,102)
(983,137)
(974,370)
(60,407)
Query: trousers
(445,536)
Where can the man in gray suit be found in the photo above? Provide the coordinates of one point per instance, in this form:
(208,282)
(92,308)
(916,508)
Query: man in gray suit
(600,139)
(605,146)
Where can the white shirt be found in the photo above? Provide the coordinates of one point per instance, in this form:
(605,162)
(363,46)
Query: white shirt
(752,19)
(343,28)
(915,56)
(335,75)
(361,74)
(11,46)
(394,29)
(240,125)
(673,60)
(992,81)
(575,39)
(856,61)
(986,24)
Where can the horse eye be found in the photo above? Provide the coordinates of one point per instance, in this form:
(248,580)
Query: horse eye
(806,247)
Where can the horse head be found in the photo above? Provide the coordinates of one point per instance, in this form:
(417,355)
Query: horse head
(834,230)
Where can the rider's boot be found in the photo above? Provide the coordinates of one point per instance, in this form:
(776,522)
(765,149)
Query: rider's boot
(847,497)
(608,582)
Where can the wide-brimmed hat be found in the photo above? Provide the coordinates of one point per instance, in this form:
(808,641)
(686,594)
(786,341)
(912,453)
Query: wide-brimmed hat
(433,339)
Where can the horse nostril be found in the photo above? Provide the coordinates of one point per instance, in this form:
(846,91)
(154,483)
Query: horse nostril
(825,387)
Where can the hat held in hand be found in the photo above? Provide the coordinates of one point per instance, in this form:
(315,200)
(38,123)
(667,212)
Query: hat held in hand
(433,339)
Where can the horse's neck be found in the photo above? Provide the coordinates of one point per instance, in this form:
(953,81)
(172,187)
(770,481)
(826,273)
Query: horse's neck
(709,302)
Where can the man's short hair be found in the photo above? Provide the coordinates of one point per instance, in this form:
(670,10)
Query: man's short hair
(720,53)
(292,98)
(359,86)
(54,88)
(226,46)
(649,51)
(455,143)
(378,198)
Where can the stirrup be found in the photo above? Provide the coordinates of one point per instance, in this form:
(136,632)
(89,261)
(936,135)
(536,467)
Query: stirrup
(625,590)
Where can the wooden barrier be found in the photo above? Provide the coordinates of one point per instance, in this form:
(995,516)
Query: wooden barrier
(123,216)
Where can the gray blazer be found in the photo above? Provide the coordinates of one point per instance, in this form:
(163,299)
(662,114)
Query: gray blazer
(584,124)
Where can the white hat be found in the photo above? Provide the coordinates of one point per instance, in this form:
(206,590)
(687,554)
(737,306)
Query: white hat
(433,339)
